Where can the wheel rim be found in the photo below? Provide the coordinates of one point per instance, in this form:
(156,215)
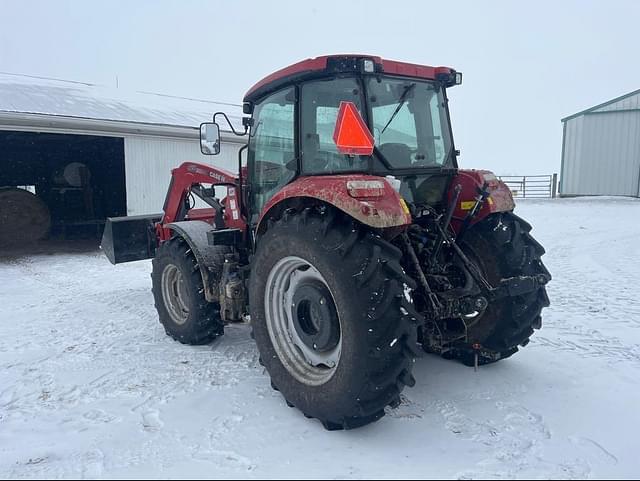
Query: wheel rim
(174,294)
(302,321)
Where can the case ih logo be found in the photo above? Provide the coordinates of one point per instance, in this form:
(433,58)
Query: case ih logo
(218,177)
(195,170)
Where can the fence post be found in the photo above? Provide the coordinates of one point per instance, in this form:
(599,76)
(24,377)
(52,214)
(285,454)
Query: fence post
(524,186)
(554,186)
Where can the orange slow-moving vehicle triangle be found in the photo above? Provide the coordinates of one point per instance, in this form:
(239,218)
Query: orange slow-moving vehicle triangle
(351,134)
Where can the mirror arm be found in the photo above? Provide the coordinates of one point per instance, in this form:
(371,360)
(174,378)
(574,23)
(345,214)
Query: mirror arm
(235,132)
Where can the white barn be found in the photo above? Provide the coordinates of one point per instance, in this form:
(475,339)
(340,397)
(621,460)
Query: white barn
(125,143)
(601,149)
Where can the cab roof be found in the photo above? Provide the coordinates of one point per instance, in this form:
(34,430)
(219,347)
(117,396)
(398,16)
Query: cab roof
(343,63)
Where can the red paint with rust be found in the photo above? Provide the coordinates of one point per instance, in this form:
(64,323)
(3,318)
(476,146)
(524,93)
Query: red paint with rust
(183,178)
(499,200)
(381,211)
(319,64)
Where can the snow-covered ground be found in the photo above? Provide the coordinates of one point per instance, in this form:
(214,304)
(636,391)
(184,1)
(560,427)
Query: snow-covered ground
(90,386)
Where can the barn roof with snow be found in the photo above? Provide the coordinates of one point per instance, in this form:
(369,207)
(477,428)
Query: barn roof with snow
(66,104)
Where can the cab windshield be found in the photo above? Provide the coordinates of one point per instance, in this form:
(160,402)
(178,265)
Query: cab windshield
(408,120)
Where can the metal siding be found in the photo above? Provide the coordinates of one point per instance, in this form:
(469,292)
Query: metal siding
(602,155)
(562,157)
(572,153)
(148,164)
(619,152)
(604,159)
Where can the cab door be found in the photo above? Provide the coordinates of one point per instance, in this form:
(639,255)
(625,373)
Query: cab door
(272,161)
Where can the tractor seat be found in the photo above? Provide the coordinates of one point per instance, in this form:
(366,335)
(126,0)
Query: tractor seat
(398,154)
(313,158)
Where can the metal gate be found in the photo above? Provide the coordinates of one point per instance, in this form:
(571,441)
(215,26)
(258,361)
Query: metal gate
(532,186)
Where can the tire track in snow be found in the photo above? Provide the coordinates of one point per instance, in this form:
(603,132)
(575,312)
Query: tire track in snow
(590,293)
(516,443)
(591,345)
(103,343)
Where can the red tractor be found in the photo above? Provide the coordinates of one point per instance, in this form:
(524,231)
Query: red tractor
(351,240)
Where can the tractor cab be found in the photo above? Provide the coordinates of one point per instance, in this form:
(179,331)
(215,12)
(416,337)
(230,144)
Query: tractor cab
(351,114)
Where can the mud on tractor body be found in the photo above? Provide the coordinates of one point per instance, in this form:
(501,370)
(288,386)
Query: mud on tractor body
(350,239)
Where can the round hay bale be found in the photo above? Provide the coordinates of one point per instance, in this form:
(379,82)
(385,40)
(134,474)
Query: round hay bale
(24,217)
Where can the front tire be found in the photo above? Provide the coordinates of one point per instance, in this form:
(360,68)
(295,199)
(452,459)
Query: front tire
(345,360)
(178,292)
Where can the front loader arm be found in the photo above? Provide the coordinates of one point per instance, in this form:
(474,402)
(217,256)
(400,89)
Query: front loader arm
(128,239)
(190,178)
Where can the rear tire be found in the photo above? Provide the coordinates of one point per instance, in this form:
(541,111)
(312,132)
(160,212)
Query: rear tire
(503,247)
(24,217)
(377,335)
(178,292)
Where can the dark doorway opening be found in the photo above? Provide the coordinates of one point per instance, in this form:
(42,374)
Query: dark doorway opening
(79,178)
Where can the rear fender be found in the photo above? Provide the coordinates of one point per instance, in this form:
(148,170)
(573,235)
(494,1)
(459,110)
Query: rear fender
(384,210)
(500,198)
(194,232)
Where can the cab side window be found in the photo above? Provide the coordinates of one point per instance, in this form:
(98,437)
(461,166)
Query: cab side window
(271,156)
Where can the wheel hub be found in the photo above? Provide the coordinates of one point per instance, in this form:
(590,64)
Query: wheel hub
(314,315)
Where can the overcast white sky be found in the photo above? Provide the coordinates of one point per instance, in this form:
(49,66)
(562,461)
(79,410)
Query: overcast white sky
(526,64)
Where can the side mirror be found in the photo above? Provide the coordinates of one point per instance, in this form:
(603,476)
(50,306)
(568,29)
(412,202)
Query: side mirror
(210,139)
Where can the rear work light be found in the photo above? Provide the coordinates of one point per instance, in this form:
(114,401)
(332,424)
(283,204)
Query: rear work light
(368,66)
(365,188)
(448,77)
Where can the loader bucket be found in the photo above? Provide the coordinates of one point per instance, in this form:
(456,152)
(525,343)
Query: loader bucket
(128,239)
